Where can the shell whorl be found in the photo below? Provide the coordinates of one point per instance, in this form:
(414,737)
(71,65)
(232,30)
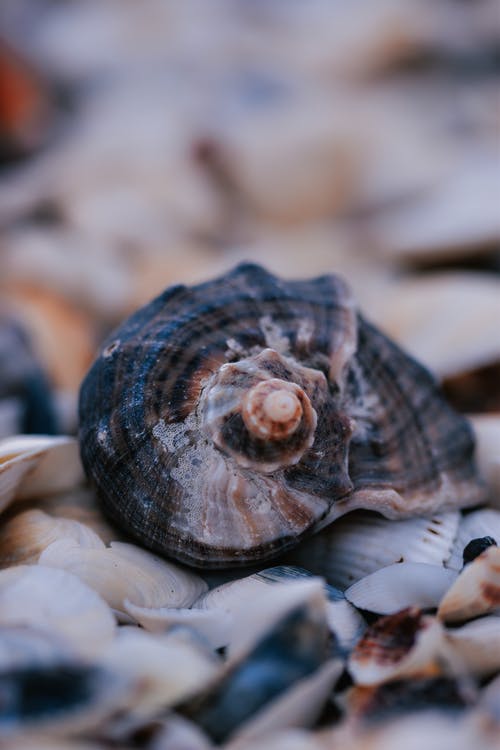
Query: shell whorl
(258,410)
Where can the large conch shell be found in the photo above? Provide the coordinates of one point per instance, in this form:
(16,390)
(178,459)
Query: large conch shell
(223,423)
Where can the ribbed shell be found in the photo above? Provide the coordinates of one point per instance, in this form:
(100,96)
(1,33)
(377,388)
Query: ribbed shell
(383,438)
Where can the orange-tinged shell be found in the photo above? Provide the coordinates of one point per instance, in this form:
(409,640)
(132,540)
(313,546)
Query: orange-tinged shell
(223,423)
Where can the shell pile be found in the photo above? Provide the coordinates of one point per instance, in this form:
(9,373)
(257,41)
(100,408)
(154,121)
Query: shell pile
(249,375)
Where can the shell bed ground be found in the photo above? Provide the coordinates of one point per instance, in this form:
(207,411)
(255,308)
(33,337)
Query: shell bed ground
(162,143)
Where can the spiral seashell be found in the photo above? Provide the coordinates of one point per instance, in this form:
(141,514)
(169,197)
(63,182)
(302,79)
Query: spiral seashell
(223,423)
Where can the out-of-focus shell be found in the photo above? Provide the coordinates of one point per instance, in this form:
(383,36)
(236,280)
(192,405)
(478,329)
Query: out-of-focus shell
(476,591)
(487,431)
(25,536)
(34,595)
(405,644)
(222,423)
(32,466)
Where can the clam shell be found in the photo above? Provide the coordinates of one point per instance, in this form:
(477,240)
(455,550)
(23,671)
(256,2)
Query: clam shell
(24,647)
(124,572)
(401,585)
(34,595)
(33,466)
(406,644)
(170,437)
(360,543)
(25,536)
(476,591)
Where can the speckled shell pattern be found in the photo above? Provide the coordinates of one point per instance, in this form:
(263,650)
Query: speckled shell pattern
(188,463)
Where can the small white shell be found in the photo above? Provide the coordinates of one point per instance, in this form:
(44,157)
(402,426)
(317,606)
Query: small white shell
(166,669)
(33,466)
(360,543)
(126,572)
(387,652)
(476,591)
(475,525)
(24,537)
(401,585)
(38,596)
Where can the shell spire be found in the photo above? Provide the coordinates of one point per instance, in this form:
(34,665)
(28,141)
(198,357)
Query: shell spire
(223,423)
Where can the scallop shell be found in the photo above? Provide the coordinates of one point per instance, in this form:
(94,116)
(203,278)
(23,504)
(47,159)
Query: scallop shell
(222,423)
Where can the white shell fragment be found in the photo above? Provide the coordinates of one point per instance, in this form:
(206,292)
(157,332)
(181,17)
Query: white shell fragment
(487,430)
(166,669)
(26,535)
(401,585)
(33,466)
(406,644)
(38,596)
(28,646)
(476,591)
(474,525)
(360,543)
(215,626)
(126,572)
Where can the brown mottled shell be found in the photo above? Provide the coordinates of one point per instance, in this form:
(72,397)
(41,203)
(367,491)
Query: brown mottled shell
(223,423)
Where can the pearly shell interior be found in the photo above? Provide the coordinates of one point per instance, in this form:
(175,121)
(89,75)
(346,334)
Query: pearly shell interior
(223,423)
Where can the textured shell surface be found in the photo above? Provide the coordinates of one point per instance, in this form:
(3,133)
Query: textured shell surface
(223,423)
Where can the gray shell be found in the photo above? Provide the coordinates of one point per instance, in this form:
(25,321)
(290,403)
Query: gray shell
(223,423)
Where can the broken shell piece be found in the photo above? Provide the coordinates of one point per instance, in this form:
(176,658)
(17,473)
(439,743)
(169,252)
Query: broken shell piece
(33,466)
(477,646)
(166,669)
(80,504)
(360,543)
(215,626)
(475,525)
(25,536)
(476,591)
(458,307)
(293,648)
(487,430)
(35,595)
(405,644)
(300,706)
(126,572)
(66,698)
(395,587)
